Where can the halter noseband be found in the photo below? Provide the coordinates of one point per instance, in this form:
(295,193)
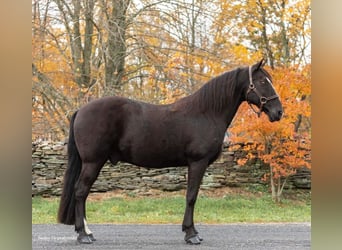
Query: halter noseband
(263,99)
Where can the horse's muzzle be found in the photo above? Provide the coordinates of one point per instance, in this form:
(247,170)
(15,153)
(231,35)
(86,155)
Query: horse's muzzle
(275,115)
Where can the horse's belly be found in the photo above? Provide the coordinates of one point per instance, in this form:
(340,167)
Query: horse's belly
(153,147)
(154,157)
(155,160)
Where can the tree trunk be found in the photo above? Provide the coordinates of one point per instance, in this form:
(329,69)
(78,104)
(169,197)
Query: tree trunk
(284,39)
(88,44)
(81,50)
(273,189)
(116,46)
(265,39)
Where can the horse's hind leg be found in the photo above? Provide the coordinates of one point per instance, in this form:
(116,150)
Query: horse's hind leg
(87,177)
(195,175)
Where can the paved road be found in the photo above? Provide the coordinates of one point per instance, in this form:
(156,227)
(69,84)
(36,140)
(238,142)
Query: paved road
(166,237)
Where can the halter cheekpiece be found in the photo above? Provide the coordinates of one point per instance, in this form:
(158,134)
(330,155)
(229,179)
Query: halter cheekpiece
(263,99)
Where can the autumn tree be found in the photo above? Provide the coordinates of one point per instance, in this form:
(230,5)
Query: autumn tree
(171,44)
(278,29)
(79,51)
(49,101)
(282,146)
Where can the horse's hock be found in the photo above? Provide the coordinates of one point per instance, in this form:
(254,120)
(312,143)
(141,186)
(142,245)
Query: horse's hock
(49,160)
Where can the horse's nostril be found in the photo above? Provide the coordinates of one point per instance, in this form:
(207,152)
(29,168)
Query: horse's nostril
(280,112)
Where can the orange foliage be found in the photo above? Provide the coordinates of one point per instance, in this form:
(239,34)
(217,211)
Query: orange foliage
(284,145)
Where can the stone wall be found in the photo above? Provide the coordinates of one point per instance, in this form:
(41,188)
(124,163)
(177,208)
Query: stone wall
(49,161)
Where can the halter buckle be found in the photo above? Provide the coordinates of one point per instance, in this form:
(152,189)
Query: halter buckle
(263,100)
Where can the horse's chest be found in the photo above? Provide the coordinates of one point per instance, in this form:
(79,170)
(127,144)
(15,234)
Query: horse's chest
(209,148)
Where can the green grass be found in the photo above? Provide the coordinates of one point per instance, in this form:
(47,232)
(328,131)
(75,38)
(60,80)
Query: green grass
(229,209)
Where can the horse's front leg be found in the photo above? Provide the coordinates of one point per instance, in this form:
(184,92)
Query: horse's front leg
(195,174)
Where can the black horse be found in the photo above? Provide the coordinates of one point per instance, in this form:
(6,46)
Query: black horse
(188,132)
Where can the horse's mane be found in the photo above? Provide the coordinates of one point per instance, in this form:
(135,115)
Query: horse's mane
(215,94)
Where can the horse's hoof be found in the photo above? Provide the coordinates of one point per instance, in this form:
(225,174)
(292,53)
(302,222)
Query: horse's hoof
(84,239)
(194,240)
(91,236)
(199,237)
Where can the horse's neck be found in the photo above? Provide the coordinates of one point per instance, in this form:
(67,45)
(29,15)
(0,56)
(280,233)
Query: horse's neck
(230,113)
(224,114)
(232,107)
(232,102)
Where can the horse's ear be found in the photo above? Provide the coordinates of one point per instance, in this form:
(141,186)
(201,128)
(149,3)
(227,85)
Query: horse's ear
(259,64)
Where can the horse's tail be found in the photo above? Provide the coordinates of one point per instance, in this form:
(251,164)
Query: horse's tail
(66,212)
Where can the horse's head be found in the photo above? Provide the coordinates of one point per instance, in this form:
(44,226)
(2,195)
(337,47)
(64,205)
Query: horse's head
(261,93)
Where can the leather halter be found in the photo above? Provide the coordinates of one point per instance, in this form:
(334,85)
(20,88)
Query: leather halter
(263,99)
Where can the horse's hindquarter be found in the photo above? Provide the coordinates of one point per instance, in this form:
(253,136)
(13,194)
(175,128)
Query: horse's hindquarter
(98,127)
